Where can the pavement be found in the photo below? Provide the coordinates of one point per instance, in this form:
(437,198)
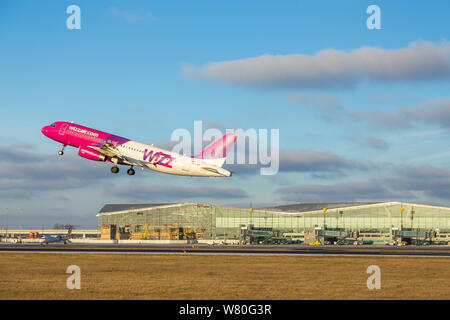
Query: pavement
(338,250)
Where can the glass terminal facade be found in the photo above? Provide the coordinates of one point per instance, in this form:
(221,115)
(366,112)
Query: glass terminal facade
(219,222)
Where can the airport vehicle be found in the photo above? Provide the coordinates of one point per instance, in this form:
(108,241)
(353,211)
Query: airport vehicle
(101,146)
(58,238)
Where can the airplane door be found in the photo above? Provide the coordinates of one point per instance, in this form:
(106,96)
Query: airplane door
(63,129)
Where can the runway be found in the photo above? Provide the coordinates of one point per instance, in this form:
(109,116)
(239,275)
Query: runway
(329,250)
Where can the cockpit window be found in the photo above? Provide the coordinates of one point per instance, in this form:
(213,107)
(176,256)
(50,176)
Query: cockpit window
(52,125)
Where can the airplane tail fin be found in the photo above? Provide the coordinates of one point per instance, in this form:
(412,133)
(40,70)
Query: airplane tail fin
(216,153)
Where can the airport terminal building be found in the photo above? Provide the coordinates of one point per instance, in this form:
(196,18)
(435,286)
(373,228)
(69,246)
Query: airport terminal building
(374,222)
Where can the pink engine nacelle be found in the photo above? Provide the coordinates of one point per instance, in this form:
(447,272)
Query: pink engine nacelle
(90,154)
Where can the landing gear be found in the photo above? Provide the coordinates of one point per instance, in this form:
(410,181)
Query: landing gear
(61,152)
(130,171)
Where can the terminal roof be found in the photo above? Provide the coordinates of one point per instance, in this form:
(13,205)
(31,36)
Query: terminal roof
(305,207)
(129,206)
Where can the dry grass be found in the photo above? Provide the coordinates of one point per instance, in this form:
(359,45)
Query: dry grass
(135,276)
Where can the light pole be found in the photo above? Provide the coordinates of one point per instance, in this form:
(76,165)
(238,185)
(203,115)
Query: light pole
(401,224)
(6,235)
(401,218)
(417,230)
(21,225)
(324,224)
(250,210)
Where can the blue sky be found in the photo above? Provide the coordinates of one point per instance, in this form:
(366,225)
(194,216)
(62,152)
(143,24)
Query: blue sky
(384,137)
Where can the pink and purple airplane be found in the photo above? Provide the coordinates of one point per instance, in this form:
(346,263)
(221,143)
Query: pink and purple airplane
(101,146)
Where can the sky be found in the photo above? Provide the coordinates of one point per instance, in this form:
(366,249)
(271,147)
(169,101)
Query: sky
(363,114)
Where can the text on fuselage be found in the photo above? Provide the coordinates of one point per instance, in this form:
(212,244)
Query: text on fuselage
(158,158)
(83,131)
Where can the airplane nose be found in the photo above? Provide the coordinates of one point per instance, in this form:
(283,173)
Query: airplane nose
(44,130)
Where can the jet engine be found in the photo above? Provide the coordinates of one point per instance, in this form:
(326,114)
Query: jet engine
(90,154)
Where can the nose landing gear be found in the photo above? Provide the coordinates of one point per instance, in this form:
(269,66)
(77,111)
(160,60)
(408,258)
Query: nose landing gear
(61,152)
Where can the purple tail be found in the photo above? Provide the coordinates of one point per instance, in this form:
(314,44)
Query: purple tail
(218,150)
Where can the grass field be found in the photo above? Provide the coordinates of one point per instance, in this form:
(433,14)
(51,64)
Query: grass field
(135,276)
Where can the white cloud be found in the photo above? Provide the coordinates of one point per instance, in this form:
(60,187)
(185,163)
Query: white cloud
(332,68)
(436,112)
(174,193)
(349,191)
(309,161)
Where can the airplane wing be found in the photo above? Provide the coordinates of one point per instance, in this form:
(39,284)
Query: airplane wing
(111,151)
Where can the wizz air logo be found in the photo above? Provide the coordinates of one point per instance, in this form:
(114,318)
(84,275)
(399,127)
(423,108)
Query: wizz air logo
(158,158)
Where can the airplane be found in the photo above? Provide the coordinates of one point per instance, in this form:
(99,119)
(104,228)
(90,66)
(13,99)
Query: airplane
(102,146)
(59,238)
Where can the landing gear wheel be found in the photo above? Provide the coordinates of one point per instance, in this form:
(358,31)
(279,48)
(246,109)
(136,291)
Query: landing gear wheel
(115,169)
(131,172)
